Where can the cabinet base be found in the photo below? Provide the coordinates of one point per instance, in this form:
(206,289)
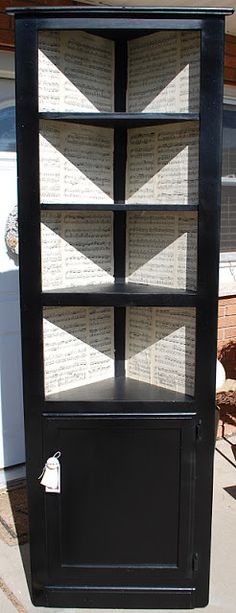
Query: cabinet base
(138,598)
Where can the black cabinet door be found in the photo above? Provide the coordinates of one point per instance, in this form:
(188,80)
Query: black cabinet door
(124,515)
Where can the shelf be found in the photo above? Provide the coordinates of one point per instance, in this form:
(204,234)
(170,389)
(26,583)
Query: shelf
(119,294)
(118,207)
(124,390)
(120,120)
(117,11)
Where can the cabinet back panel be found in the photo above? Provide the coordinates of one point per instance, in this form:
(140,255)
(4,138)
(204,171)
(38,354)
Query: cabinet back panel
(160,347)
(161,249)
(78,346)
(76,72)
(77,249)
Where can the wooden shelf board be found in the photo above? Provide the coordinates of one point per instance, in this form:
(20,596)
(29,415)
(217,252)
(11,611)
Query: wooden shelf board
(118,207)
(115,120)
(140,11)
(122,390)
(118,294)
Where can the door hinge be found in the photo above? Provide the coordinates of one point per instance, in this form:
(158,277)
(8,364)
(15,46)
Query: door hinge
(195,562)
(199,430)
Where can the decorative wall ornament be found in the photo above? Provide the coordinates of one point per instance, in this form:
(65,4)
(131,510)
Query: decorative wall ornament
(11,232)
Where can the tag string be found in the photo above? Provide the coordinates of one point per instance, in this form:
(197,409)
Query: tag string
(43,471)
(56,455)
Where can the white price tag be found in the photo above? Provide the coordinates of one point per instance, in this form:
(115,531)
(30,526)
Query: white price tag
(51,475)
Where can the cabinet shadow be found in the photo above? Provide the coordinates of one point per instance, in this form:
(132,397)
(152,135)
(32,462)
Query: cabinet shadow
(161,249)
(78,346)
(162,164)
(81,66)
(78,157)
(77,248)
(160,347)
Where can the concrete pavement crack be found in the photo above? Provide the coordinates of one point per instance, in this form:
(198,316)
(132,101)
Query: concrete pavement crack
(13,599)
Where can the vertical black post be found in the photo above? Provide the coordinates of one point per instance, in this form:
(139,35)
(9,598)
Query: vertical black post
(30,280)
(119,218)
(212,65)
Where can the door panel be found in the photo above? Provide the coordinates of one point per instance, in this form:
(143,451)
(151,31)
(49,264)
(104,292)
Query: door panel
(124,512)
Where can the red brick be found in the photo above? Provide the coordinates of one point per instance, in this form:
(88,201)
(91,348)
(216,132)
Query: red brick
(227,301)
(220,334)
(230,60)
(229,38)
(6,39)
(230,333)
(222,322)
(231,310)
(226,322)
(221,311)
(4,22)
(230,74)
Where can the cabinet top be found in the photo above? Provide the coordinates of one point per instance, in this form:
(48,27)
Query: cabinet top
(117,11)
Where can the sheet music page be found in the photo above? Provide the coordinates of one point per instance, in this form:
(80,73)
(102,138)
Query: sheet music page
(164,72)
(52,250)
(174,349)
(76,163)
(190,72)
(76,72)
(78,346)
(186,252)
(77,248)
(161,249)
(178,163)
(162,164)
(160,347)
(49,71)
(138,345)
(101,343)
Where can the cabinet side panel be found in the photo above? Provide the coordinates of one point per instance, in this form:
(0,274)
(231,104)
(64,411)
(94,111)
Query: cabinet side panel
(30,285)
(212,46)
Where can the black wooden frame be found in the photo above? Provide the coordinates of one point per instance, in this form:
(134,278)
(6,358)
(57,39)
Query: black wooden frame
(120,401)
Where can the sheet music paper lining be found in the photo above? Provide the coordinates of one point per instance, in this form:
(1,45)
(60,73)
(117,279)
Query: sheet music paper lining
(77,248)
(76,163)
(162,164)
(76,72)
(164,72)
(160,347)
(78,346)
(161,249)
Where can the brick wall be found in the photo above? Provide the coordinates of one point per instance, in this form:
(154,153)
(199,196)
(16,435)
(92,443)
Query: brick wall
(230,59)
(227,335)
(226,400)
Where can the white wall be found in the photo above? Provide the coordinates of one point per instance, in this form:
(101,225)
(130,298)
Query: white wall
(12,450)
(11,411)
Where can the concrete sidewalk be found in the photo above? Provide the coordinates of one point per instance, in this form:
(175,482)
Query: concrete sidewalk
(14,562)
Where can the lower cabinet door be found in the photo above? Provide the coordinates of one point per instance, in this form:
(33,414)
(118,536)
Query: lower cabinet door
(123,522)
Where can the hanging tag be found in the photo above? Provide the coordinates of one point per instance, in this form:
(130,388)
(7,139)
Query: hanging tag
(51,475)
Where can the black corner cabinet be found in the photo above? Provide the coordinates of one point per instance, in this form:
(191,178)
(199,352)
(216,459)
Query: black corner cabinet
(119,163)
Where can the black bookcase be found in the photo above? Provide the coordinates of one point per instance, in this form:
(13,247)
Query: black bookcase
(119,160)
